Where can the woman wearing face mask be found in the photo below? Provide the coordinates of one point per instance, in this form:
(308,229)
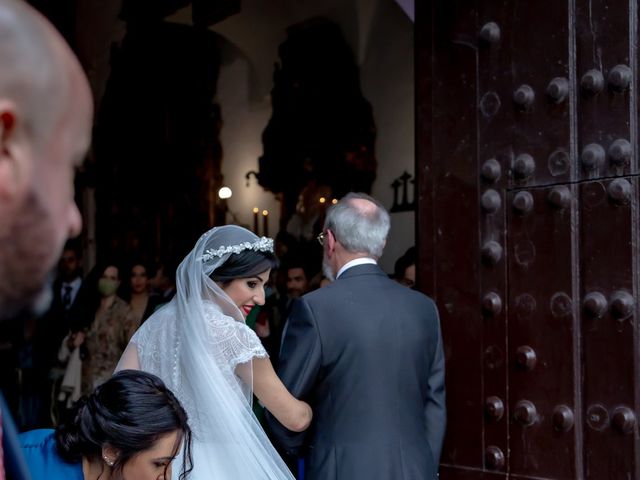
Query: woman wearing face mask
(113,324)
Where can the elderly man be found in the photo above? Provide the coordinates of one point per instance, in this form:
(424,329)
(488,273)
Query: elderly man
(45,129)
(367,354)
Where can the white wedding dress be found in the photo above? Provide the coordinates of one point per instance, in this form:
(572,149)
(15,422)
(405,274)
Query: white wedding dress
(197,344)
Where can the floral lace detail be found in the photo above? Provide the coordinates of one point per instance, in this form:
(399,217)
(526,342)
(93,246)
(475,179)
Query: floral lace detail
(263,244)
(232,342)
(229,343)
(151,340)
(204,356)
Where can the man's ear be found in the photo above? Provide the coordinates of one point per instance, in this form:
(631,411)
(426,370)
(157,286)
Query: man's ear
(15,163)
(331,241)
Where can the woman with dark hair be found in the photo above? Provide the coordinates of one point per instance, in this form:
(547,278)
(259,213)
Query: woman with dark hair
(138,292)
(201,347)
(131,426)
(404,270)
(108,324)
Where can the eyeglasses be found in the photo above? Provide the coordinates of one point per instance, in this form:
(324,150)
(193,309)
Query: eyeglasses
(321,236)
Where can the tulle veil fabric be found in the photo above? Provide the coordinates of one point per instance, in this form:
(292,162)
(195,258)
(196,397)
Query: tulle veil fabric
(193,344)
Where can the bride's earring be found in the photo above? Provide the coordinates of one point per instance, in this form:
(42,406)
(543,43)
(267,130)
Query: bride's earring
(108,461)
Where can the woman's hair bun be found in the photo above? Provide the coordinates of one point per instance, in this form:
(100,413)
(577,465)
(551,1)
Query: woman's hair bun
(69,435)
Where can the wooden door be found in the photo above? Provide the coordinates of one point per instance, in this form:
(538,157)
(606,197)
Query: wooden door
(527,127)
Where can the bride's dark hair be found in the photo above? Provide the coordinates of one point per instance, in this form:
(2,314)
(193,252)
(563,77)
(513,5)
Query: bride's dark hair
(244,265)
(128,412)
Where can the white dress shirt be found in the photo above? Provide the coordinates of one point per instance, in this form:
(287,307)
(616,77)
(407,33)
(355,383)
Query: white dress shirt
(353,263)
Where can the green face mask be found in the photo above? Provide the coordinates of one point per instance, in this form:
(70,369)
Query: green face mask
(107,287)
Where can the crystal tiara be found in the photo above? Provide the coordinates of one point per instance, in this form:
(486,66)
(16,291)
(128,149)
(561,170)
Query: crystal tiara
(263,244)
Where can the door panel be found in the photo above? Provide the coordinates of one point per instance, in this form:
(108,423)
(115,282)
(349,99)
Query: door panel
(532,260)
(454,196)
(495,158)
(604,77)
(608,240)
(543,334)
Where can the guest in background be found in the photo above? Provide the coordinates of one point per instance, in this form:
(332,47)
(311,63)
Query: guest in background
(138,293)
(67,295)
(131,426)
(297,279)
(318,281)
(163,283)
(271,317)
(66,312)
(297,275)
(110,325)
(267,320)
(404,270)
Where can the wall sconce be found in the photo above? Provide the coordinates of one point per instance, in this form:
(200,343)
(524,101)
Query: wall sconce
(224,193)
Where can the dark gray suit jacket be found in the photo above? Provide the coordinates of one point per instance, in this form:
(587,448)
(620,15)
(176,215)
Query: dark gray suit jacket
(366,353)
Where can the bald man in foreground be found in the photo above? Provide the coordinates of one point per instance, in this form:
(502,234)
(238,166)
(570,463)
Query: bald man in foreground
(46,113)
(366,353)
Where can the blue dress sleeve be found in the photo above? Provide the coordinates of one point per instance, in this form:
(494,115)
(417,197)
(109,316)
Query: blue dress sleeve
(41,454)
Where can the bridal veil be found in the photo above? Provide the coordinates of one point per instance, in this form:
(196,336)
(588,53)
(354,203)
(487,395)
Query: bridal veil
(195,344)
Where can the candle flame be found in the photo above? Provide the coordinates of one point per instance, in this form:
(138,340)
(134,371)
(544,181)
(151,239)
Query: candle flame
(256,209)
(265,212)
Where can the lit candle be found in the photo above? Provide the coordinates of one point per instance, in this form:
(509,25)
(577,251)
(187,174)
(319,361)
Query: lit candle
(255,220)
(265,223)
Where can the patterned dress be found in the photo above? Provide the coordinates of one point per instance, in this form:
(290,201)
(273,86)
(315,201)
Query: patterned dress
(106,339)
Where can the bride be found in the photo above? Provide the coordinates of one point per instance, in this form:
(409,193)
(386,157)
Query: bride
(201,348)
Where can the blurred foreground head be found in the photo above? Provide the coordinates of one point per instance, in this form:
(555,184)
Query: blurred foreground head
(46,113)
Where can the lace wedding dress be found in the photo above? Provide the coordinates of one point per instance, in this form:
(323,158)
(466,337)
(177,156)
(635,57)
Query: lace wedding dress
(198,344)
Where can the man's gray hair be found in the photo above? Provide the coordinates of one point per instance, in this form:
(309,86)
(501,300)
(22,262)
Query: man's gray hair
(358,230)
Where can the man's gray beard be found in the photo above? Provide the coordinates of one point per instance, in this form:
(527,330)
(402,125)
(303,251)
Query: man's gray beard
(327,270)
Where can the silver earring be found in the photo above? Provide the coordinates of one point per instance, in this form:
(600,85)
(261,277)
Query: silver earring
(108,461)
